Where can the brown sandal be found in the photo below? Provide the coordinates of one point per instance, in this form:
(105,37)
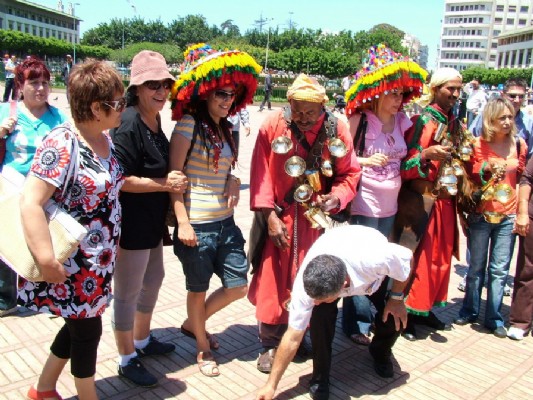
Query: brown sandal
(361,338)
(207,364)
(213,342)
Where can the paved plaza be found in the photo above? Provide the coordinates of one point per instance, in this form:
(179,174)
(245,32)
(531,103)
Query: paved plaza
(465,363)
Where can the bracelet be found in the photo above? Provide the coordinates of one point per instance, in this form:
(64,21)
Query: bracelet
(396,296)
(234,179)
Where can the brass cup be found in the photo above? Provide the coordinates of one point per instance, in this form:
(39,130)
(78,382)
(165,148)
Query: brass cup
(303,193)
(317,218)
(502,193)
(457,168)
(281,145)
(313,177)
(327,168)
(337,148)
(295,166)
(493,217)
(488,194)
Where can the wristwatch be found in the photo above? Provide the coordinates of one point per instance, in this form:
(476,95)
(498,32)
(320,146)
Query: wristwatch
(396,296)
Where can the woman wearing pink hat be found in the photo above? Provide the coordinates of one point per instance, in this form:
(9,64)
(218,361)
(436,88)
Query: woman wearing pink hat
(143,152)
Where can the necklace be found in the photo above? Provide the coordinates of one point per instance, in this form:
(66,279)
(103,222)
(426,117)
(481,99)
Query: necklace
(217,143)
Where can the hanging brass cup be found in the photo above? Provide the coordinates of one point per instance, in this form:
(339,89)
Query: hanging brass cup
(502,193)
(457,168)
(295,166)
(281,145)
(327,168)
(317,218)
(313,177)
(337,148)
(493,217)
(303,193)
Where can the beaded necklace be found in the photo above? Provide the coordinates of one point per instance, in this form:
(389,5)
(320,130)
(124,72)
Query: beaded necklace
(218,145)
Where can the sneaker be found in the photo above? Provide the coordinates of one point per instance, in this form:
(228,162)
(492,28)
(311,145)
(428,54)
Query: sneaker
(9,311)
(500,332)
(137,374)
(507,290)
(516,333)
(155,348)
(462,285)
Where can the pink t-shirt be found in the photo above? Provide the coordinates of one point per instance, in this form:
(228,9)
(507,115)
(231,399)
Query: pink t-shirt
(378,193)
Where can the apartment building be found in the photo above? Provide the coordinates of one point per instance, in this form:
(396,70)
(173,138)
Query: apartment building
(38,20)
(417,51)
(470,30)
(515,49)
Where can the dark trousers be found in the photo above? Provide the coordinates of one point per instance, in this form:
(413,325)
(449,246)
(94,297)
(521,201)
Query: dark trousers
(322,332)
(8,287)
(270,335)
(78,341)
(266,100)
(9,90)
(521,314)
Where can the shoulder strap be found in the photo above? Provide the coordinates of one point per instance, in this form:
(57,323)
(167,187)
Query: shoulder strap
(360,134)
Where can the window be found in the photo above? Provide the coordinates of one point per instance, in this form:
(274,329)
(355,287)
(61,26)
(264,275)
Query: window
(498,20)
(510,21)
(512,9)
(494,45)
(34,30)
(524,9)
(522,22)
(499,8)
(496,33)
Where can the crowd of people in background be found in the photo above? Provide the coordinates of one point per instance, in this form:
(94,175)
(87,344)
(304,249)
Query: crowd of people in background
(462,162)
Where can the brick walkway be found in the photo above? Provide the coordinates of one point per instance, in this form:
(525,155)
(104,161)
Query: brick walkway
(466,363)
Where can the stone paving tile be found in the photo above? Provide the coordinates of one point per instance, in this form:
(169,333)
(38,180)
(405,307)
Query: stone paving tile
(465,363)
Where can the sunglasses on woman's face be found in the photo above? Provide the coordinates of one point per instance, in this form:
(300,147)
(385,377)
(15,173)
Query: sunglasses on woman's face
(156,85)
(223,95)
(117,105)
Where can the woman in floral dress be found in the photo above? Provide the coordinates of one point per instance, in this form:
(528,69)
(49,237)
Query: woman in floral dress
(79,289)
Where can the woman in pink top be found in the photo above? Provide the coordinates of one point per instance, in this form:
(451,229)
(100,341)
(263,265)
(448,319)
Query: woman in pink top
(499,161)
(377,127)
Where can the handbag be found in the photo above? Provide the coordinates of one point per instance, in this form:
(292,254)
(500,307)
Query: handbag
(12,114)
(65,232)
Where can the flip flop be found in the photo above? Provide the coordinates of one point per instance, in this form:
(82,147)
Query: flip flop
(213,342)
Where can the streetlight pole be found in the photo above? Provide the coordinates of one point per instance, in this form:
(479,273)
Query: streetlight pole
(75,30)
(268,43)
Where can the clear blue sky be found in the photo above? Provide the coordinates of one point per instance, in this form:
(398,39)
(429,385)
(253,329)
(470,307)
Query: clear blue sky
(421,18)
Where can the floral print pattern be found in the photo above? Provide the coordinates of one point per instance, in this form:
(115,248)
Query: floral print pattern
(93,201)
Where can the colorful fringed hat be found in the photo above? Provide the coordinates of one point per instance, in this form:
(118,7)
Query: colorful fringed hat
(205,69)
(384,70)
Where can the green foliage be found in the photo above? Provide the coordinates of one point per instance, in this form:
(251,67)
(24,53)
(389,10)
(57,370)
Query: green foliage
(494,77)
(26,44)
(172,54)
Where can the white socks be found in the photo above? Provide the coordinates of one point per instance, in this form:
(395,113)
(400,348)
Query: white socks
(141,344)
(124,360)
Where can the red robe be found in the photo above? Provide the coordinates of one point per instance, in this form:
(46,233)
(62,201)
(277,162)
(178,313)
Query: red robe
(271,284)
(433,256)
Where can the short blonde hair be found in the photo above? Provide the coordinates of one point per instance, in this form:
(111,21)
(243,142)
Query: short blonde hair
(492,111)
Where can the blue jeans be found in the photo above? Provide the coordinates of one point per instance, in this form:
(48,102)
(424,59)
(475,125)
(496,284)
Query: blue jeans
(495,242)
(356,313)
(220,251)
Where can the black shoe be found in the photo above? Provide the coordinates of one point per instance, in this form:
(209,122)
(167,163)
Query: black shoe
(137,374)
(261,109)
(319,391)
(384,369)
(434,322)
(500,332)
(155,348)
(409,332)
(463,321)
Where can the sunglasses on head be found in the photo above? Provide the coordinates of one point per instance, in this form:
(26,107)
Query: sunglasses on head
(223,95)
(156,85)
(516,96)
(117,105)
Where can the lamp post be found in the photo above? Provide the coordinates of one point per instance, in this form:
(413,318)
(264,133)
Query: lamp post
(268,43)
(75,31)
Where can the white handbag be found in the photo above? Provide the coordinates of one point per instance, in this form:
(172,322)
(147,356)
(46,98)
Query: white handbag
(65,231)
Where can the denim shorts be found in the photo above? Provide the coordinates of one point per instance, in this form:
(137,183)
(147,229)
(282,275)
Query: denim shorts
(220,250)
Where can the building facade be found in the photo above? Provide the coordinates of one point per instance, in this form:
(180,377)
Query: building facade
(515,49)
(37,20)
(417,51)
(470,30)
